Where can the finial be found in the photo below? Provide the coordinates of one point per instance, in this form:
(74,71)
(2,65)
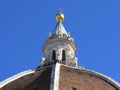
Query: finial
(60,16)
(60,10)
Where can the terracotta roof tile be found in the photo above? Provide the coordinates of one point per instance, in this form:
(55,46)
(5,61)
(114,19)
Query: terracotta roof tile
(40,80)
(69,79)
(82,80)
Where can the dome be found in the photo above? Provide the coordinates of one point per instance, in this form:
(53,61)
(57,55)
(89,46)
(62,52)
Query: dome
(59,69)
(60,77)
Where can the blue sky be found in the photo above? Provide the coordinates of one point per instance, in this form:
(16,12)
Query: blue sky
(94,24)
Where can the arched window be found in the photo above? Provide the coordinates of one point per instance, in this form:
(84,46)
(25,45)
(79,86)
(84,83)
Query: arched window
(53,55)
(63,56)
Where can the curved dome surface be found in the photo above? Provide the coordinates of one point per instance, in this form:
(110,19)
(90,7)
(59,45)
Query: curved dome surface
(83,79)
(70,78)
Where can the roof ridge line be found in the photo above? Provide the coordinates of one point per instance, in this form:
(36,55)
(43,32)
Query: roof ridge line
(14,77)
(102,76)
(54,82)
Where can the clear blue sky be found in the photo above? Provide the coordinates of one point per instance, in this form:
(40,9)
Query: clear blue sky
(94,24)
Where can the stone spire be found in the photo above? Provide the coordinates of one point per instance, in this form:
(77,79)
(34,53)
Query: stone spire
(59,29)
(59,46)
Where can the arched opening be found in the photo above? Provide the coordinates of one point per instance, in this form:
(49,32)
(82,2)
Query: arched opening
(54,55)
(63,56)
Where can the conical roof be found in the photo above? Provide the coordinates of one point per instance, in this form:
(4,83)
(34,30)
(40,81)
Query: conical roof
(59,29)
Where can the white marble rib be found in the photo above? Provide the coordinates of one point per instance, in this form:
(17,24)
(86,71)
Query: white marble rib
(5,82)
(54,84)
(57,74)
(52,77)
(98,74)
(104,77)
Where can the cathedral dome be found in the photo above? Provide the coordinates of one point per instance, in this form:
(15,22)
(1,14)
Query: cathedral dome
(59,69)
(60,77)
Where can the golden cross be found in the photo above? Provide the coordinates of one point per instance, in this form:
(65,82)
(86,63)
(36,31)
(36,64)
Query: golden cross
(60,10)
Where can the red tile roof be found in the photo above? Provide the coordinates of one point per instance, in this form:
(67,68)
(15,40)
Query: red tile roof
(69,79)
(39,80)
(82,80)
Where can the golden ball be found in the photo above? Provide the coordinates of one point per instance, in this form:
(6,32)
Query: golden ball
(59,17)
